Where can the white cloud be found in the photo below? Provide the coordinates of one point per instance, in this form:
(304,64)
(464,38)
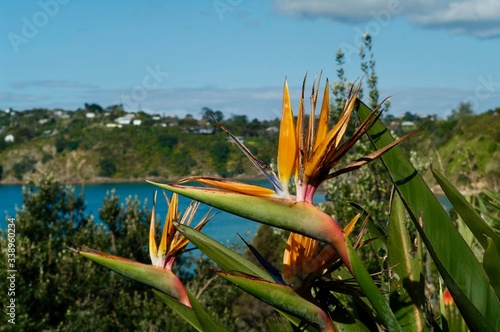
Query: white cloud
(261,103)
(479,18)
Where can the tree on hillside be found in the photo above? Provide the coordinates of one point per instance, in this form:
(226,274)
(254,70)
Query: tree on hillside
(208,113)
(340,88)
(368,186)
(93,108)
(462,111)
(368,68)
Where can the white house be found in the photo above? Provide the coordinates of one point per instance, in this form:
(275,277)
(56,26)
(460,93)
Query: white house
(240,139)
(126,119)
(137,122)
(61,114)
(9,138)
(90,115)
(408,124)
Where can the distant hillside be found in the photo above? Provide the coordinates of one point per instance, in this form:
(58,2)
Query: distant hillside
(96,145)
(469,151)
(465,149)
(118,146)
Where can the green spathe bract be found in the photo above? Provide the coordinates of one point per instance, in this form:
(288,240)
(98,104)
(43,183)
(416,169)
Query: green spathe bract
(161,279)
(282,297)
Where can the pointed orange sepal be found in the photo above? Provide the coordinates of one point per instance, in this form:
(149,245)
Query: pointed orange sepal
(287,146)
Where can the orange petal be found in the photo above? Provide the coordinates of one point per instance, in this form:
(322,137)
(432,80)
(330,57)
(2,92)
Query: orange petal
(322,152)
(153,249)
(235,186)
(348,229)
(287,147)
(323,117)
(299,131)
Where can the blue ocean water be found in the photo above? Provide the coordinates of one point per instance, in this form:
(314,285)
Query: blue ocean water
(224,227)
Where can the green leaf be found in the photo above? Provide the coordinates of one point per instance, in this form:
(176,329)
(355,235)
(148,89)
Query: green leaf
(161,279)
(283,298)
(207,323)
(278,324)
(373,294)
(491,263)
(343,319)
(462,273)
(196,316)
(184,311)
(406,304)
(476,224)
(227,259)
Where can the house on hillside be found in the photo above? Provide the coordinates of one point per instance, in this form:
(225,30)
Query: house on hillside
(9,138)
(240,139)
(126,119)
(61,114)
(203,130)
(408,124)
(170,121)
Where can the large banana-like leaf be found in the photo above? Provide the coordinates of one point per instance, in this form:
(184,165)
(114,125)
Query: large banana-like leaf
(283,298)
(476,224)
(463,274)
(407,304)
(373,294)
(491,263)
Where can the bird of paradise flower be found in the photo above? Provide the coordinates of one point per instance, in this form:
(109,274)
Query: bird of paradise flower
(306,154)
(159,275)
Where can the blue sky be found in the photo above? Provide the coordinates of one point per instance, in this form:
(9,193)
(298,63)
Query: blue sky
(175,57)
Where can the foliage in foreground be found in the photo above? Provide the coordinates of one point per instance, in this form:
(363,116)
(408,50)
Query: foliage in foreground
(323,284)
(57,291)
